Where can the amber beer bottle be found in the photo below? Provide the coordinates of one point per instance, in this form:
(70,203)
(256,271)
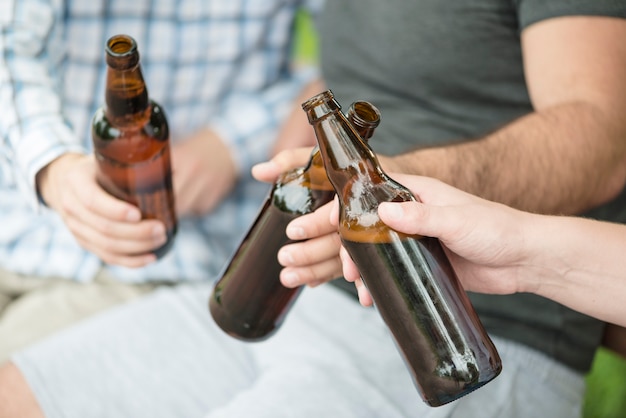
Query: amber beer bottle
(410,278)
(131,140)
(249,302)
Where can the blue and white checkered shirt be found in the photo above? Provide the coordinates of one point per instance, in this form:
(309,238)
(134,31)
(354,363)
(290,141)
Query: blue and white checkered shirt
(222,63)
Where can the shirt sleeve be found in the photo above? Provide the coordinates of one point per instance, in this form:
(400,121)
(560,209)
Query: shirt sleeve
(533,11)
(32,127)
(250,117)
(249,121)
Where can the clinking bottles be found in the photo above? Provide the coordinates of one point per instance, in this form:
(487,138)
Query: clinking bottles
(131,140)
(249,302)
(410,278)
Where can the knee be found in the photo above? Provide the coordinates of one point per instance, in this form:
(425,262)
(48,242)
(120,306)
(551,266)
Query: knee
(16,398)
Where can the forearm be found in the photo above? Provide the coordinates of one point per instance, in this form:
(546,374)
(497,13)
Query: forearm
(579,263)
(567,156)
(565,159)
(35,130)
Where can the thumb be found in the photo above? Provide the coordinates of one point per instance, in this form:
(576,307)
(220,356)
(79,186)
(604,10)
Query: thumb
(416,218)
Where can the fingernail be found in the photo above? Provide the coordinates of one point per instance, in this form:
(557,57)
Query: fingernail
(266,165)
(392,210)
(133,215)
(285,257)
(158,231)
(290,279)
(295,232)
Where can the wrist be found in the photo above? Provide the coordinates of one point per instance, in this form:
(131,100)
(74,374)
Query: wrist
(542,259)
(44,180)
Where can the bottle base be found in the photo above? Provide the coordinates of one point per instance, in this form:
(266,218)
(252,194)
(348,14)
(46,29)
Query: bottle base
(446,398)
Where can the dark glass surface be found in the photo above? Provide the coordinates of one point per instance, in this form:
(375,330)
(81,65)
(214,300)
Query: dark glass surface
(431,319)
(249,302)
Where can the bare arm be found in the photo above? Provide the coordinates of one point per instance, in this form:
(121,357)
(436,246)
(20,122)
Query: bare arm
(583,263)
(570,154)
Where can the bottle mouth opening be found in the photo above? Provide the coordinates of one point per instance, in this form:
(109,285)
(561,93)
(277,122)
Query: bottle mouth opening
(319,105)
(366,113)
(121,46)
(121,52)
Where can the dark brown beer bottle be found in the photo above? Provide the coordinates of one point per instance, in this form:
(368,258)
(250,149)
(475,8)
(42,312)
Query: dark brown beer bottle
(131,140)
(249,302)
(410,278)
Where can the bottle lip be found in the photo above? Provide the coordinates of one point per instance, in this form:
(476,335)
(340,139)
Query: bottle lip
(320,105)
(121,51)
(365,113)
(317,99)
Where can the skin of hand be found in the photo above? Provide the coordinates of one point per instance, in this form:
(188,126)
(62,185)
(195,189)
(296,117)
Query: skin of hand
(484,240)
(203,172)
(316,260)
(108,227)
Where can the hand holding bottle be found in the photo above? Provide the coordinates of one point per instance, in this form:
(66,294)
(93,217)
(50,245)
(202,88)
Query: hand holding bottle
(108,227)
(471,228)
(497,249)
(314,258)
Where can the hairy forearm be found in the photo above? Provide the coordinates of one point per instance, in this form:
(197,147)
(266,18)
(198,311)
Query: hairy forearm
(565,159)
(578,263)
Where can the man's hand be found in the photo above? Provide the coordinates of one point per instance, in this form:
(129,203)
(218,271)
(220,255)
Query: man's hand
(203,173)
(315,260)
(108,227)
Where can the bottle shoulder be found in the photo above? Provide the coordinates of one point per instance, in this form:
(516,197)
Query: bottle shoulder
(157,126)
(358,216)
(151,123)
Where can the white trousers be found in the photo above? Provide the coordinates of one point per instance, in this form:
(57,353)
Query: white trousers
(162,356)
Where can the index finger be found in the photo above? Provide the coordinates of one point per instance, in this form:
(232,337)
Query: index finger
(312,225)
(95,199)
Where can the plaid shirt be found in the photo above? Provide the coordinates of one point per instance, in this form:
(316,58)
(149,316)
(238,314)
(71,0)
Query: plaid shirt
(223,64)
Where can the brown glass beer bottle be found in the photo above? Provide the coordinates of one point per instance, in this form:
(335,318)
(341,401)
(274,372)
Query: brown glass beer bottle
(249,302)
(412,283)
(131,140)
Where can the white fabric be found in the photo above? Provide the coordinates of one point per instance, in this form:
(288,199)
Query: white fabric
(163,356)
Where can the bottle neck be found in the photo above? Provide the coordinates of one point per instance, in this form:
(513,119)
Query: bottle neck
(126,95)
(365,117)
(345,154)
